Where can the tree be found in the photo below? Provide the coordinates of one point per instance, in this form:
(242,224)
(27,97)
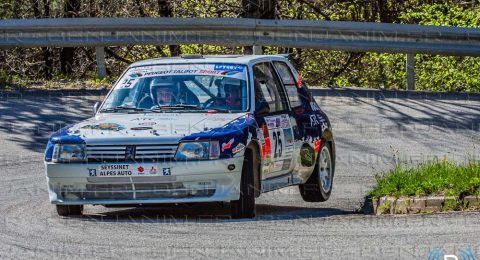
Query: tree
(71,9)
(165,10)
(259,9)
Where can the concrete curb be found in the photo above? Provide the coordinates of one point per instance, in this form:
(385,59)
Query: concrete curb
(427,204)
(385,94)
(6,95)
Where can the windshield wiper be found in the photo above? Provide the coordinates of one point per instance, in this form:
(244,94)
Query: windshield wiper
(117,108)
(173,107)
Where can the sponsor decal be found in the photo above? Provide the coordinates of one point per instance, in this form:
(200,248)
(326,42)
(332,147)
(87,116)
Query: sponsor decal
(314,106)
(299,81)
(317,145)
(104,126)
(167,172)
(266,148)
(280,136)
(306,156)
(316,120)
(277,165)
(147,123)
(122,170)
(227,70)
(114,170)
(92,172)
(226,146)
(288,135)
(136,75)
(230,67)
(286,164)
(139,128)
(238,148)
(128,83)
(153,170)
(281,121)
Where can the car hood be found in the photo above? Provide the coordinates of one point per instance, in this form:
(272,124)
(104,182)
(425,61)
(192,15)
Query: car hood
(147,128)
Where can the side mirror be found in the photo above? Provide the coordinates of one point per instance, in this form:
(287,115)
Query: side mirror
(262,108)
(96,107)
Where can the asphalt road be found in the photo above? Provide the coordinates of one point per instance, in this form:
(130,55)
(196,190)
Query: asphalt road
(372,132)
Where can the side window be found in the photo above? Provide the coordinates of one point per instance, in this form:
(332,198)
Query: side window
(268,87)
(289,82)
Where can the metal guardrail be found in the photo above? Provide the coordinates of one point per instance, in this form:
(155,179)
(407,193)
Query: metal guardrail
(325,35)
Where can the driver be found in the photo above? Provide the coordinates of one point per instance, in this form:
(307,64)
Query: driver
(232,94)
(229,96)
(163,92)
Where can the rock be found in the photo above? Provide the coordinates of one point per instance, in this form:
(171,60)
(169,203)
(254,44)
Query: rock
(450,203)
(471,202)
(434,203)
(401,206)
(386,205)
(417,205)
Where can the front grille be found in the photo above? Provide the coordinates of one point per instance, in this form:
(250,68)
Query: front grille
(121,153)
(135,191)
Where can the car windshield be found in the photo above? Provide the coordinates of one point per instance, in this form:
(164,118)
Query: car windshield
(183,87)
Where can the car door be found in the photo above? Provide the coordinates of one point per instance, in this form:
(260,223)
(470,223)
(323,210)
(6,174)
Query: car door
(274,122)
(309,121)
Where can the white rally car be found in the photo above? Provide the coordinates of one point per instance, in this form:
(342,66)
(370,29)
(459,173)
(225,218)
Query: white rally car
(195,129)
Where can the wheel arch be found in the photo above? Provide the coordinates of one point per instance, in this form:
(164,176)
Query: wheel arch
(328,136)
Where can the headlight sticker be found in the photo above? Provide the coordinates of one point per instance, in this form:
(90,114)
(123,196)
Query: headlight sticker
(238,148)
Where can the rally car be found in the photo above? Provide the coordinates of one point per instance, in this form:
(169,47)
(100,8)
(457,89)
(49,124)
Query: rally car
(195,129)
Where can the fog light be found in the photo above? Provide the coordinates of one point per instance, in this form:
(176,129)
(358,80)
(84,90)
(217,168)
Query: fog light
(231,167)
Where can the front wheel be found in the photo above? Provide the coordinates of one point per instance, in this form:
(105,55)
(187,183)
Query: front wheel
(244,207)
(69,210)
(319,186)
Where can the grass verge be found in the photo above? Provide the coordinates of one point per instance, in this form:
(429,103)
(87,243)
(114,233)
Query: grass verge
(439,177)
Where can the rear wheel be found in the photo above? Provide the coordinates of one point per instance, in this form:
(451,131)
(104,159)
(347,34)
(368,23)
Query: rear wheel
(319,186)
(69,210)
(244,207)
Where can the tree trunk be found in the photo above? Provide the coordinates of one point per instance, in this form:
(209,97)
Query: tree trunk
(165,10)
(71,9)
(259,9)
(47,67)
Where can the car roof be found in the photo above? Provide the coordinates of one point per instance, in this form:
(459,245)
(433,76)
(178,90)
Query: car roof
(236,59)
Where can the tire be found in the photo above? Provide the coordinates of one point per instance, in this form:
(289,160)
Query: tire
(316,190)
(244,207)
(69,210)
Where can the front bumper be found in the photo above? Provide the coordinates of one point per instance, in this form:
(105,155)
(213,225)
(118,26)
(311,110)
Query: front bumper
(195,181)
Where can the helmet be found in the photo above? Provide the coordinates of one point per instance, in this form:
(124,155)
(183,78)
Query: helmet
(165,83)
(231,85)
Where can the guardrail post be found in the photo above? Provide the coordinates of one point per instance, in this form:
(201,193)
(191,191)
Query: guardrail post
(410,67)
(101,67)
(257,50)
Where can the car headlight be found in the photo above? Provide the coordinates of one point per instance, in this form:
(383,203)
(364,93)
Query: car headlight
(207,150)
(69,153)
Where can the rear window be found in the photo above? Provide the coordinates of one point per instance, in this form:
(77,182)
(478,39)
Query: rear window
(289,82)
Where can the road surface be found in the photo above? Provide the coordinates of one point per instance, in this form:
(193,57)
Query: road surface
(372,132)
